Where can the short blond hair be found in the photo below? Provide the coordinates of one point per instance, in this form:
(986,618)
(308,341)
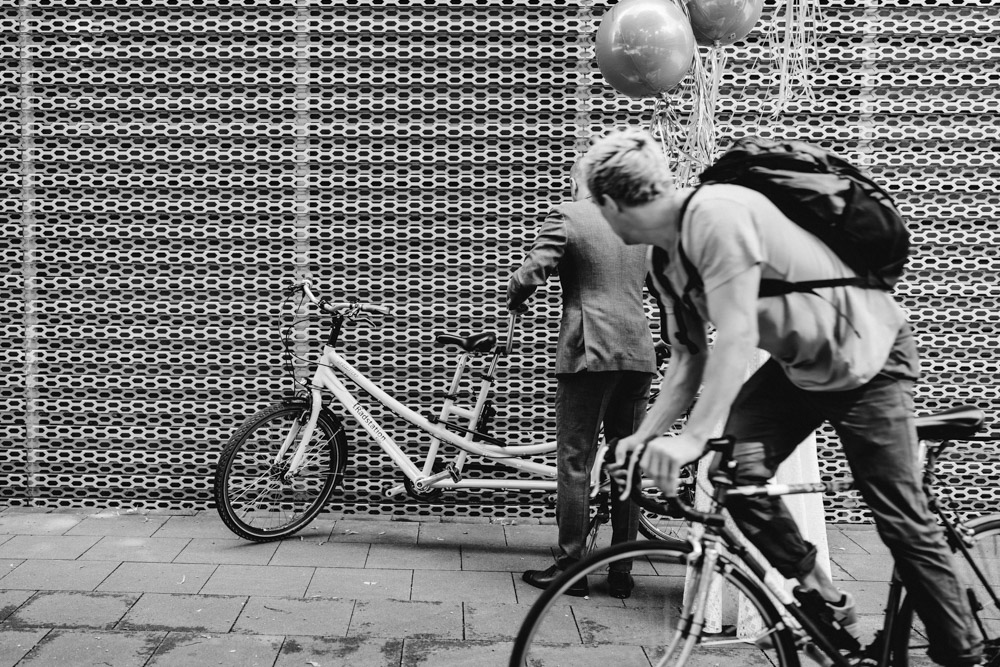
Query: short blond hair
(628,166)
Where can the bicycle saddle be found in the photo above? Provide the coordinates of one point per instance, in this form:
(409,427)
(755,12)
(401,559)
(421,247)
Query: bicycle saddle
(483,342)
(960,422)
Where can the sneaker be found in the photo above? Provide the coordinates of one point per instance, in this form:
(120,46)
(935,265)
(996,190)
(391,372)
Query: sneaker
(846,615)
(840,618)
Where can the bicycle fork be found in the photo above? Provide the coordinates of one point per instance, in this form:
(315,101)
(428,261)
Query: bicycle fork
(692,622)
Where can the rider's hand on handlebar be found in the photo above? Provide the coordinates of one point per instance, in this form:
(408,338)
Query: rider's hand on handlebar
(662,458)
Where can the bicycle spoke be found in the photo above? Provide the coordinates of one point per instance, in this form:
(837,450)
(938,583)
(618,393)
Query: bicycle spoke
(258,495)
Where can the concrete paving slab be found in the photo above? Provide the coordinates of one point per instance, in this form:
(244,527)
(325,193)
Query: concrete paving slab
(206,525)
(136,549)
(636,626)
(528,535)
(505,559)
(340,652)
(458,654)
(157,577)
(398,556)
(294,616)
(59,609)
(118,525)
(502,622)
(648,591)
(180,649)
(867,540)
(20,523)
(746,656)
(15,644)
(273,580)
(231,552)
(463,534)
(183,613)
(47,546)
(406,620)
(867,567)
(318,529)
(600,655)
(463,586)
(93,648)
(870,596)
(58,575)
(375,532)
(841,543)
(8,565)
(10,601)
(312,553)
(361,584)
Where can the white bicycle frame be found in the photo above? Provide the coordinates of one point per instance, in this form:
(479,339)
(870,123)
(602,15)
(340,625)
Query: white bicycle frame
(423,478)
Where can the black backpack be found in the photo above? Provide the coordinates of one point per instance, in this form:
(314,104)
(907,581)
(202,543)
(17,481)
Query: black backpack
(825,195)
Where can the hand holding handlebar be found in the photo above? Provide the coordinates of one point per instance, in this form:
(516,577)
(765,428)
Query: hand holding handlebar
(626,474)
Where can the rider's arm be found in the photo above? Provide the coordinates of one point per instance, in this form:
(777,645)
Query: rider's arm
(681,379)
(732,307)
(541,260)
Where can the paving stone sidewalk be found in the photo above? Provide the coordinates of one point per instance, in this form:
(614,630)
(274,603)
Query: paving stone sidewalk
(120,589)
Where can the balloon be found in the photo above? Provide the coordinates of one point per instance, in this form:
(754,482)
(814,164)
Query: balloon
(644,47)
(723,21)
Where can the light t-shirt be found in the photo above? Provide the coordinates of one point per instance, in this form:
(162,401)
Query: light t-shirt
(835,339)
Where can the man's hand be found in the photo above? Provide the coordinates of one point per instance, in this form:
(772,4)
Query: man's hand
(663,458)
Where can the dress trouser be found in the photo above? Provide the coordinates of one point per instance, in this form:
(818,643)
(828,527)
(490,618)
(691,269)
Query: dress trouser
(584,401)
(875,426)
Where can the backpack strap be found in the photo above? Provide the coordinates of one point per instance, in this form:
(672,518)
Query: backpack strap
(775,287)
(694,278)
(768,286)
(658,267)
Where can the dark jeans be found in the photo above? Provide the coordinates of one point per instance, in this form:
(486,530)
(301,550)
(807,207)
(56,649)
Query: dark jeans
(875,426)
(583,402)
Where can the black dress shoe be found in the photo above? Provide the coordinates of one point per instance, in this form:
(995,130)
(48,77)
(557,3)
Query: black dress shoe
(620,584)
(542,579)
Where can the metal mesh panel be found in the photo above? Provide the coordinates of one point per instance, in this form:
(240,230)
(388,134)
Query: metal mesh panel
(165,170)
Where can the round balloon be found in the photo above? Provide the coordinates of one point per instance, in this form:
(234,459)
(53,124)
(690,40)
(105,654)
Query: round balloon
(644,47)
(716,22)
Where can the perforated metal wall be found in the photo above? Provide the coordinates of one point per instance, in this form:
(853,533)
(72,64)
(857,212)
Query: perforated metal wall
(167,167)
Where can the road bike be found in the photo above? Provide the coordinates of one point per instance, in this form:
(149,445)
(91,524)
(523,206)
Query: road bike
(283,464)
(711,601)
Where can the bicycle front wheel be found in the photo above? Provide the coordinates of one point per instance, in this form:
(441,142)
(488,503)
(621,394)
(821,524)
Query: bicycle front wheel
(982,590)
(601,630)
(257,494)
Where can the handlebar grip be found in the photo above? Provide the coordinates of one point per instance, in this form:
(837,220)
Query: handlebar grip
(669,505)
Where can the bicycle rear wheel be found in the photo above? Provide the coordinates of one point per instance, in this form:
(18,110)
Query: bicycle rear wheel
(910,640)
(256,495)
(601,630)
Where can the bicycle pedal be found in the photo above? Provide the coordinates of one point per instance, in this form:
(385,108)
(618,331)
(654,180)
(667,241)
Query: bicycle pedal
(550,501)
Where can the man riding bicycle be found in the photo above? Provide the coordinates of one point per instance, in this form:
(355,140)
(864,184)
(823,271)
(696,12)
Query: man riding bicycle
(843,355)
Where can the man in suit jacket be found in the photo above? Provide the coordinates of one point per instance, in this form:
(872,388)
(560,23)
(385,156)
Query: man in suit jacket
(605,362)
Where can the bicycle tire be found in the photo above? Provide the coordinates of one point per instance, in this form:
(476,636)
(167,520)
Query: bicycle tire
(655,525)
(253,496)
(909,642)
(567,626)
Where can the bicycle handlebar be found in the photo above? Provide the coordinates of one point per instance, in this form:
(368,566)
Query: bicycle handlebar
(338,307)
(723,468)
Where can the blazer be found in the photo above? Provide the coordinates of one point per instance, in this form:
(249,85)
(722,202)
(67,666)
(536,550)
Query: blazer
(604,326)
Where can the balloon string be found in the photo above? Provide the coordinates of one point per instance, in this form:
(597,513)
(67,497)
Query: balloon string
(793,52)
